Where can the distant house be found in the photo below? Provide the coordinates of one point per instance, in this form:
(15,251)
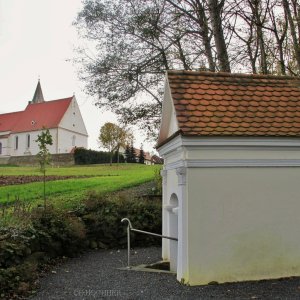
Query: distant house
(231,177)
(19,130)
(149,158)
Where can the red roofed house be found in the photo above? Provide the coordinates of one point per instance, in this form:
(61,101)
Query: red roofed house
(231,177)
(19,130)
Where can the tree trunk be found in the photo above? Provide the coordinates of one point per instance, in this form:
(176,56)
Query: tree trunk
(118,158)
(263,55)
(197,14)
(111,157)
(296,46)
(182,56)
(215,7)
(44,182)
(204,33)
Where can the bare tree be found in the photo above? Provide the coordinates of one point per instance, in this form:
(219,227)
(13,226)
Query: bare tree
(137,41)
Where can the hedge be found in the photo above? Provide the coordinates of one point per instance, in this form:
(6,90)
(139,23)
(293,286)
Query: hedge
(84,156)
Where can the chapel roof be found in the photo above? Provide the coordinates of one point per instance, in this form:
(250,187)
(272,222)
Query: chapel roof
(223,104)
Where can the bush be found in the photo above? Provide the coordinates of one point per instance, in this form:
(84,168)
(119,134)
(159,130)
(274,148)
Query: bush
(84,156)
(53,233)
(59,233)
(102,217)
(17,268)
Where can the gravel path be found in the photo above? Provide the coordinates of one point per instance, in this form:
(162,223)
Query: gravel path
(94,275)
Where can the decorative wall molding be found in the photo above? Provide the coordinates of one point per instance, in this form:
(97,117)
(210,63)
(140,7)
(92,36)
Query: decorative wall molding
(164,176)
(181,173)
(229,163)
(213,143)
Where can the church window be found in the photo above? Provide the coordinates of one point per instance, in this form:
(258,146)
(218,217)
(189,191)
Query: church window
(28,140)
(73,140)
(0,148)
(16,143)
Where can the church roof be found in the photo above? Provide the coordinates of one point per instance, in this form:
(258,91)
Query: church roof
(46,114)
(9,120)
(36,116)
(223,104)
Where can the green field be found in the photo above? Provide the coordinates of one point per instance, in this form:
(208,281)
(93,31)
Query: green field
(67,193)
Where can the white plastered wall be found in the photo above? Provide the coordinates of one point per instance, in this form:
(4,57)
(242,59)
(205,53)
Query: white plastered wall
(5,148)
(239,208)
(72,119)
(68,139)
(22,143)
(243,223)
(72,131)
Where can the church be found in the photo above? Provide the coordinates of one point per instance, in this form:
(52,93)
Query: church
(19,130)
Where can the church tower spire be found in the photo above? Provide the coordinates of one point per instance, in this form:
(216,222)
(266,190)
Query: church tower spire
(38,94)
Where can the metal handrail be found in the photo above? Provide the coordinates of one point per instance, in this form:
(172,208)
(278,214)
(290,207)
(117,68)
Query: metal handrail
(130,228)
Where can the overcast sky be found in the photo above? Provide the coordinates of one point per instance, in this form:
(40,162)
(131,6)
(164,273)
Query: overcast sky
(37,39)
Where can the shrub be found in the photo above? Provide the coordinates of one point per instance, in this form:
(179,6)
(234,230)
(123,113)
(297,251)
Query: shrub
(102,217)
(17,268)
(59,233)
(51,233)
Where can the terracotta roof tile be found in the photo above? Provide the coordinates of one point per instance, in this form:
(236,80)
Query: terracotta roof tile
(221,104)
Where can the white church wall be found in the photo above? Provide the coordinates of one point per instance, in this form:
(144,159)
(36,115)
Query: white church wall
(72,119)
(4,147)
(22,147)
(68,139)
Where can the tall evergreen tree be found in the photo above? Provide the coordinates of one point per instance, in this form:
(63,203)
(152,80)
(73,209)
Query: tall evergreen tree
(132,154)
(142,155)
(127,154)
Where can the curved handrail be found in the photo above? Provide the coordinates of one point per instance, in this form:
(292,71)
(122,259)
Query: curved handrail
(130,228)
(128,221)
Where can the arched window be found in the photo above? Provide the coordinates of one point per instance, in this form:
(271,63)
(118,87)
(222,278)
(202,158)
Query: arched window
(0,148)
(73,140)
(28,140)
(16,143)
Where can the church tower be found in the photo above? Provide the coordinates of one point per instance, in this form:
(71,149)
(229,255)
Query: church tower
(38,94)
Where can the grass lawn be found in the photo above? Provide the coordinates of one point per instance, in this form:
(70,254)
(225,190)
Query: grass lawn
(68,193)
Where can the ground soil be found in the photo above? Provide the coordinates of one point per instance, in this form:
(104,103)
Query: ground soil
(21,179)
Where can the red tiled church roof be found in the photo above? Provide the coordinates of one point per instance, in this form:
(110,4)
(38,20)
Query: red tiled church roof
(222,104)
(46,114)
(35,116)
(9,120)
